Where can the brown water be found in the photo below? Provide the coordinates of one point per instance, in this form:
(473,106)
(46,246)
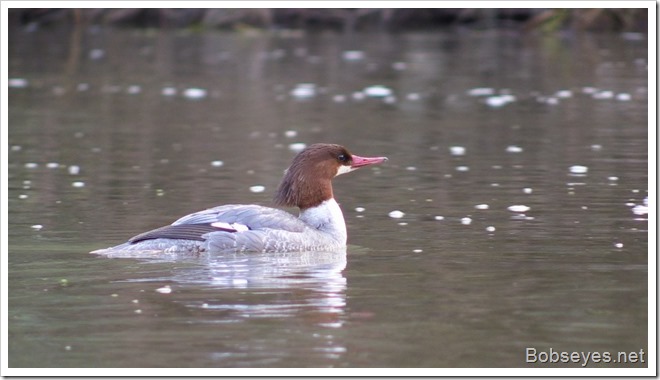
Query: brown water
(458,281)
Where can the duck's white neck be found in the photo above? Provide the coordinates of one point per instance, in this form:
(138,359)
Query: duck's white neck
(328,218)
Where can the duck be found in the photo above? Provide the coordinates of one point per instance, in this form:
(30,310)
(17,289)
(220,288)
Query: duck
(307,185)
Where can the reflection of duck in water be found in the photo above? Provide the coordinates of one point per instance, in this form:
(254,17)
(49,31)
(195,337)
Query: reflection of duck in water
(307,184)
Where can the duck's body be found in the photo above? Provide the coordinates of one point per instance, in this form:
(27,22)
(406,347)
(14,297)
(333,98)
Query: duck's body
(239,228)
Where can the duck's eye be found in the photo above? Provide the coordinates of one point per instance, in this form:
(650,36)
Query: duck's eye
(343,158)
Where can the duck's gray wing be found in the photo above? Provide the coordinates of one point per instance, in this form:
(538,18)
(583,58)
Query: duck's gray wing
(252,216)
(185,231)
(229,222)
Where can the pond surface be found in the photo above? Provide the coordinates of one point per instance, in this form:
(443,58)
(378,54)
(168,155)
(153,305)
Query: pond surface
(115,132)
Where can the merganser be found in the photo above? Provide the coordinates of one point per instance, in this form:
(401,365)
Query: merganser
(307,184)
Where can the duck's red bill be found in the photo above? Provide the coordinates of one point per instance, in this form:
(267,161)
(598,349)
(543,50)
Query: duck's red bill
(359,162)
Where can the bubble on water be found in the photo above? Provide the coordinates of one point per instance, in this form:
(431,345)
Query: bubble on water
(194,93)
(297,147)
(618,245)
(359,209)
(462,168)
(640,210)
(78,184)
(377,91)
(96,54)
(17,82)
(396,214)
(358,95)
(52,165)
(31,165)
(551,101)
(490,229)
(304,91)
(257,189)
(439,217)
(457,150)
(564,94)
(481,91)
(605,94)
(482,206)
(290,133)
(499,100)
(399,66)
(623,97)
(417,251)
(133,89)
(217,163)
(413,96)
(466,221)
(514,149)
(339,98)
(527,190)
(578,169)
(353,55)
(73,169)
(164,290)
(168,91)
(518,208)
(389,99)
(37,226)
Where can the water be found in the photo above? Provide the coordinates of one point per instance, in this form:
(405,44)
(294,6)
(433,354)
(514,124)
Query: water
(114,132)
